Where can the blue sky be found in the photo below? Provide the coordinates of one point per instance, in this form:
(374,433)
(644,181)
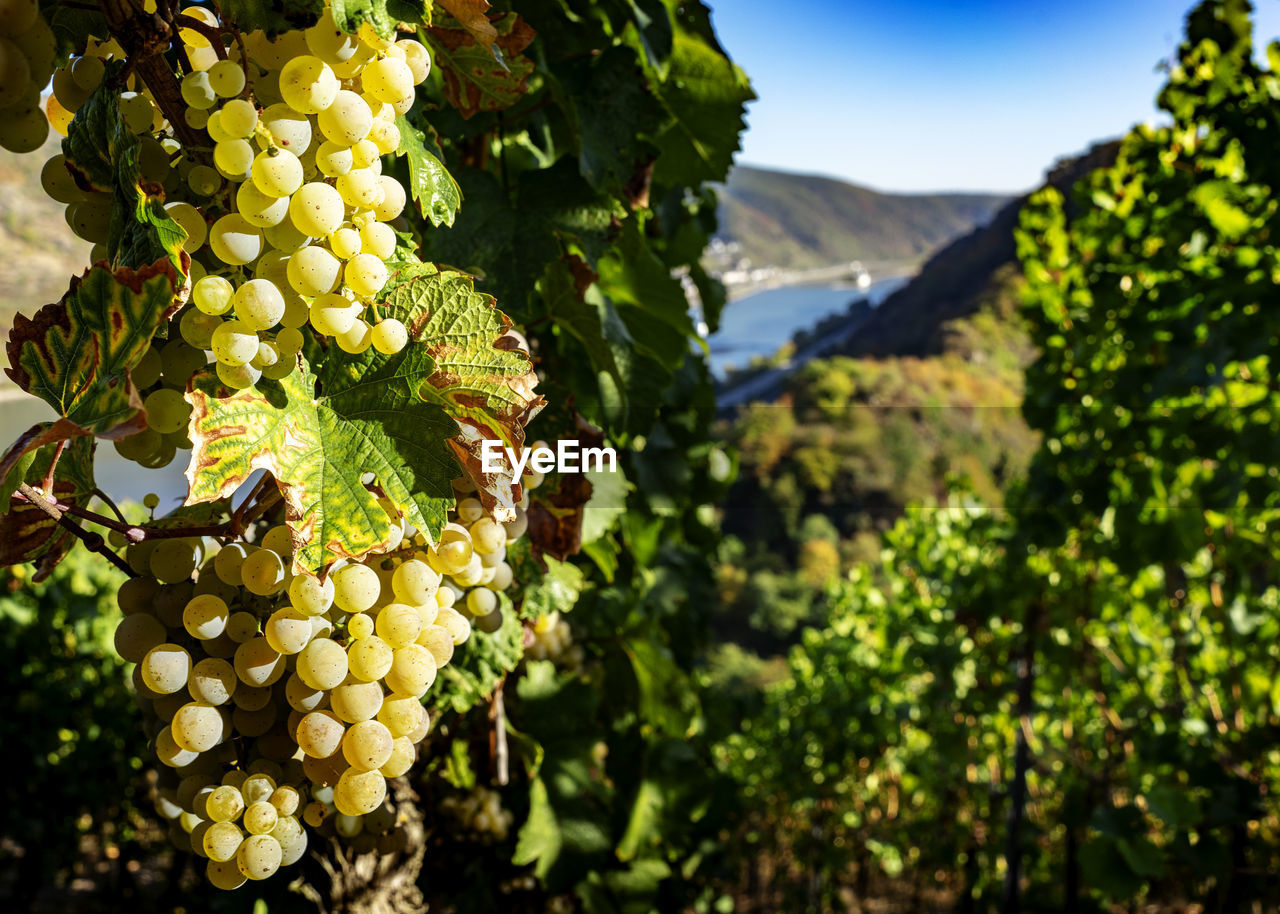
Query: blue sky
(917,95)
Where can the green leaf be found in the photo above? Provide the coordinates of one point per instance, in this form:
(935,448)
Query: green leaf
(104,153)
(434,190)
(539,840)
(616,114)
(349,15)
(479,378)
(707,110)
(272,18)
(318,436)
(76,355)
(556,591)
(1218,201)
(651,303)
(608,502)
(471,678)
(668,700)
(475,77)
(27,534)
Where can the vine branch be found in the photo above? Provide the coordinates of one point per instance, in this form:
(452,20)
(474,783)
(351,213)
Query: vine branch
(92,541)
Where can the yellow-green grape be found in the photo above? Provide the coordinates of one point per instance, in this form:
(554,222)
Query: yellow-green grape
(438,641)
(67,91)
(412,672)
(226,77)
(332,314)
(310,595)
(285,237)
(234,240)
(57,181)
(455,623)
(213,681)
(319,734)
(258,664)
(90,219)
(308,84)
(364,153)
(167,411)
(315,813)
(213,295)
(470,575)
(328,42)
(333,160)
(165,668)
(258,304)
(393,199)
(346,120)
(370,658)
(235,343)
(138,634)
(487,535)
(414,582)
(358,793)
(260,818)
(238,117)
(197,92)
(403,755)
(365,275)
(316,209)
(481,601)
(222,840)
(417,59)
(516,528)
(258,786)
(225,804)
(287,128)
(229,561)
(348,826)
(25,126)
(344,242)
(189,218)
(242,626)
(385,135)
(356,588)
(288,630)
(16,16)
(259,857)
(367,745)
(205,617)
(259,209)
(263,572)
(354,701)
(360,188)
(378,239)
(234,159)
(359,626)
(173,560)
(170,753)
(217,130)
(189,36)
(388,80)
(313,271)
(400,715)
(289,340)
(470,510)
(197,727)
(450,556)
(204,181)
(277,171)
(322,664)
(502,576)
(286,800)
(398,625)
(238,377)
(388,336)
(356,339)
(197,328)
(302,697)
(224,874)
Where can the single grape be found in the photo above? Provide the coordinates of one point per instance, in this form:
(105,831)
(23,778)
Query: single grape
(358,792)
(365,275)
(197,91)
(378,239)
(385,135)
(360,188)
(370,658)
(234,240)
(388,80)
(263,573)
(316,209)
(235,343)
(310,595)
(238,377)
(166,410)
(205,617)
(276,171)
(238,117)
(259,209)
(347,120)
(344,242)
(333,314)
(356,588)
(393,199)
(259,857)
(258,304)
(226,78)
(389,336)
(322,664)
(355,340)
(258,664)
(287,128)
(212,681)
(308,85)
(313,271)
(333,160)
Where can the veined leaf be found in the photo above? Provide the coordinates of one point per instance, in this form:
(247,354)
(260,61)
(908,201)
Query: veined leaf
(319,436)
(272,18)
(471,16)
(471,677)
(482,76)
(27,534)
(76,355)
(434,189)
(480,379)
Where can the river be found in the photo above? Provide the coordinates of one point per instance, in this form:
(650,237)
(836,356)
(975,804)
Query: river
(758,324)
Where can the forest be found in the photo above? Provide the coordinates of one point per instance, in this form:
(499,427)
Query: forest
(980,615)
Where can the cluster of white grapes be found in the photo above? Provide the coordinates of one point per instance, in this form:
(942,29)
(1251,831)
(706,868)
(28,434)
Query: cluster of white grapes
(288,222)
(278,699)
(27,51)
(479,811)
(552,639)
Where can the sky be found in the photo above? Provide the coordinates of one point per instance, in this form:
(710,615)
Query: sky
(922,95)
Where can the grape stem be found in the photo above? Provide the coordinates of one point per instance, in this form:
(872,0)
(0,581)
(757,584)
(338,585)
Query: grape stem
(213,33)
(92,541)
(132,532)
(498,737)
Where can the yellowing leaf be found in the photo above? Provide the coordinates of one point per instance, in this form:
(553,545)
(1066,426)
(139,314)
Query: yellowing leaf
(482,76)
(471,15)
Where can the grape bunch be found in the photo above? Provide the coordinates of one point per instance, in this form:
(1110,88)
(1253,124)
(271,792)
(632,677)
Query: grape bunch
(27,51)
(280,701)
(551,638)
(480,813)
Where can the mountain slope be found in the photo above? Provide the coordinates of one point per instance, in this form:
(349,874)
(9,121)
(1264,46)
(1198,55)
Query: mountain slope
(798,221)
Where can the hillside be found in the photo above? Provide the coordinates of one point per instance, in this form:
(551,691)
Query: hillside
(40,251)
(798,221)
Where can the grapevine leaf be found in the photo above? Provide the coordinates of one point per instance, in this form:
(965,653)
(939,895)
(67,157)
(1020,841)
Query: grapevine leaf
(434,189)
(667,701)
(272,18)
(103,154)
(27,534)
(471,678)
(318,436)
(480,379)
(471,16)
(539,839)
(707,111)
(76,355)
(669,796)
(651,303)
(349,15)
(482,76)
(556,591)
